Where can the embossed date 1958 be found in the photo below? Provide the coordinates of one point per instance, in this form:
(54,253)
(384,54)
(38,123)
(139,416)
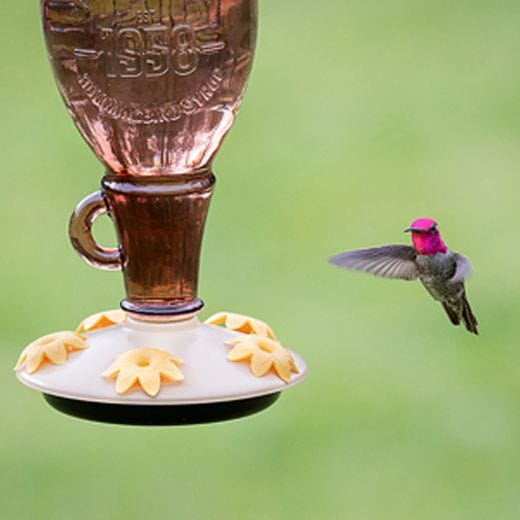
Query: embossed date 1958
(149,51)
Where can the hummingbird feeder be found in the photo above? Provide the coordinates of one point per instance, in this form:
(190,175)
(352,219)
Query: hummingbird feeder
(154,86)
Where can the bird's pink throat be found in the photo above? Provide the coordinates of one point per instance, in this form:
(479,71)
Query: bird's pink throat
(428,243)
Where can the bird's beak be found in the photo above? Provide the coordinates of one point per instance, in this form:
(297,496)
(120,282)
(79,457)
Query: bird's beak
(412,230)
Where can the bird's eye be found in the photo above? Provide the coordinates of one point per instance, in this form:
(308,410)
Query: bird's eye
(433,229)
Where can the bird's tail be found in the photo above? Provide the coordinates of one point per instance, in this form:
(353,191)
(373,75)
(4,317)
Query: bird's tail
(453,315)
(462,311)
(467,315)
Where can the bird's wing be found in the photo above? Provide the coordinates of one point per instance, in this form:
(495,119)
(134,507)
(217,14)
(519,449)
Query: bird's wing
(463,269)
(387,261)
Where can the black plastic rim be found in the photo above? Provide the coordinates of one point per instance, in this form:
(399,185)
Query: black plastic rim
(161,415)
(167,310)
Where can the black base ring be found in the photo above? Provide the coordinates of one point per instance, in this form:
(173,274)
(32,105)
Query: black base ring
(161,415)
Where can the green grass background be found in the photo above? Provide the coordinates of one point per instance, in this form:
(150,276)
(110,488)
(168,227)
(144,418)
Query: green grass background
(359,117)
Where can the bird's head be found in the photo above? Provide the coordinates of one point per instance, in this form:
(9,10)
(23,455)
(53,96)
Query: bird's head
(426,237)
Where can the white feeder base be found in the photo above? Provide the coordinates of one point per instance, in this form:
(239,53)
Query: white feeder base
(209,377)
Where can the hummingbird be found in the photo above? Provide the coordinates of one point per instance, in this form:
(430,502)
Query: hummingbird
(441,271)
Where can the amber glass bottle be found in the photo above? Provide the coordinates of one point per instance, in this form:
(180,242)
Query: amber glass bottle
(153,86)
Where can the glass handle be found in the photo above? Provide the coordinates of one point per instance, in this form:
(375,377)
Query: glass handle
(80,232)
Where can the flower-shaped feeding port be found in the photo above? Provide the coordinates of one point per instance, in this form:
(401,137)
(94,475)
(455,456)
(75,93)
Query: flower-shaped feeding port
(264,355)
(147,368)
(54,348)
(241,323)
(102,320)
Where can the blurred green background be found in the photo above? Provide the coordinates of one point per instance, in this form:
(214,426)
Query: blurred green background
(360,116)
